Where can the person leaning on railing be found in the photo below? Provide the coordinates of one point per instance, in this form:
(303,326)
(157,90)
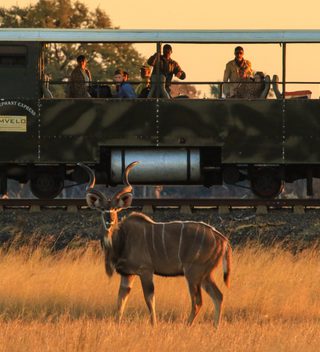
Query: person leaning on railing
(168,68)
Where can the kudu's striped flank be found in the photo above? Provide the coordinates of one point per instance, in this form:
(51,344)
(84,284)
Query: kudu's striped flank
(138,246)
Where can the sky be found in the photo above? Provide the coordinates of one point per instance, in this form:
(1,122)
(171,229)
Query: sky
(203,62)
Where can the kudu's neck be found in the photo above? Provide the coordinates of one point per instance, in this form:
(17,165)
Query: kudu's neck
(110,221)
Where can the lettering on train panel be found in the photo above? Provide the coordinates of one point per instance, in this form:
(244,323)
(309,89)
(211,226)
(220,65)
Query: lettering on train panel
(13,123)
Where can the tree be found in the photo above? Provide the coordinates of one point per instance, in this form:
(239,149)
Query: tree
(215,90)
(184,90)
(60,58)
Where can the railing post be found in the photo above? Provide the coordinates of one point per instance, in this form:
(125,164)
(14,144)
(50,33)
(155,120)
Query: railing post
(3,183)
(284,54)
(158,70)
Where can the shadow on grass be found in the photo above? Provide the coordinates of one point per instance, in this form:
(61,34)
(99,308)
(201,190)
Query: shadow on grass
(53,311)
(48,311)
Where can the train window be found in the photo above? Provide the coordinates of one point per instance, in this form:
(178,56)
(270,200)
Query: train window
(302,79)
(13,55)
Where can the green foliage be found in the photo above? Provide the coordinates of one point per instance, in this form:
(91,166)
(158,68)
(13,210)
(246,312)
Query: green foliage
(60,58)
(184,89)
(215,90)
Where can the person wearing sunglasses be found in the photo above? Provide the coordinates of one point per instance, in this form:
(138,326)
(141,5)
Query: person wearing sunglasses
(237,70)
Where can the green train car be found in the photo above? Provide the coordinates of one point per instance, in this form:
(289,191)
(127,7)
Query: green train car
(267,141)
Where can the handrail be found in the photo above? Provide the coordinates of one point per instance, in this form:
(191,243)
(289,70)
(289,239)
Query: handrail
(187,82)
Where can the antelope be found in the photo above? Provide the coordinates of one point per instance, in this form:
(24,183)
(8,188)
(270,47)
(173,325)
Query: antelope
(139,246)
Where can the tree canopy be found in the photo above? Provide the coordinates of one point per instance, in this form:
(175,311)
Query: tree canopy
(60,58)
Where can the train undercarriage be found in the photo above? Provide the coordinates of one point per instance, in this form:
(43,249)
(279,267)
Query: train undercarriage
(168,166)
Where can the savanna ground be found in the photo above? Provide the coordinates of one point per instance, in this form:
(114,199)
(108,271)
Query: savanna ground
(55,296)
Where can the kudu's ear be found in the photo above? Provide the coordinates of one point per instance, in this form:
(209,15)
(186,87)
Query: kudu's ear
(96,200)
(123,199)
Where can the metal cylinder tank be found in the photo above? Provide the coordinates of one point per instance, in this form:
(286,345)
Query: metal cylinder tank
(163,166)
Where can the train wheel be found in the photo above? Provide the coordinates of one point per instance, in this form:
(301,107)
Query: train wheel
(46,185)
(266,183)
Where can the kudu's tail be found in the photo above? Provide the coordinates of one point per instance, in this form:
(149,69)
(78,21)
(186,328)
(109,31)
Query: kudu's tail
(227,262)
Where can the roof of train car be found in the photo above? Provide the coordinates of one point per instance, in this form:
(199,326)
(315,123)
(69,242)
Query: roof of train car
(151,36)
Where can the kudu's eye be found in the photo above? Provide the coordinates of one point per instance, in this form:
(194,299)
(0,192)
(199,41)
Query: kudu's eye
(125,200)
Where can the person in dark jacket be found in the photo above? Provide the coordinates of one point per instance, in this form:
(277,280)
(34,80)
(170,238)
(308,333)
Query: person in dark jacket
(80,79)
(168,68)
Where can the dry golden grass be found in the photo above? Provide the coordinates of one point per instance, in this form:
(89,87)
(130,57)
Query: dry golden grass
(65,302)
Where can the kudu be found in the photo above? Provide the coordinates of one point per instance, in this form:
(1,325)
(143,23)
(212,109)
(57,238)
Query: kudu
(139,246)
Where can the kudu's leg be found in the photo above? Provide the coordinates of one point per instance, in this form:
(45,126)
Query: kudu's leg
(195,295)
(216,295)
(148,292)
(126,284)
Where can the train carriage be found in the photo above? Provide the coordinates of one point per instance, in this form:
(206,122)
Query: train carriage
(177,141)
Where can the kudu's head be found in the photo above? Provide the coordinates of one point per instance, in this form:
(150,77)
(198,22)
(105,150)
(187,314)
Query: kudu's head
(98,201)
